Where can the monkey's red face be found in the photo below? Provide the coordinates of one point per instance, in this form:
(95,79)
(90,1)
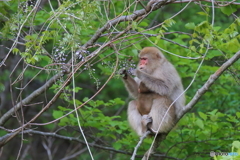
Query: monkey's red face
(143,63)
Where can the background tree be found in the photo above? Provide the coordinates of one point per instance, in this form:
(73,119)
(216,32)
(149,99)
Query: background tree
(61,96)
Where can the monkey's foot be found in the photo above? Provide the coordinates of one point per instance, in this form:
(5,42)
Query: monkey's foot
(146,120)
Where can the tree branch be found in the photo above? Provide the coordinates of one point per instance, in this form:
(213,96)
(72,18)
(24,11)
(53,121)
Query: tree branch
(139,144)
(210,82)
(226,3)
(117,20)
(93,144)
(29,98)
(30,131)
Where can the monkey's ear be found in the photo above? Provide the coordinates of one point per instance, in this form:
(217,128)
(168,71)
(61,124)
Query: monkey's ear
(159,55)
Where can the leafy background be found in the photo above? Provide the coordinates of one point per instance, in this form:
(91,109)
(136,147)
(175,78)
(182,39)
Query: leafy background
(41,40)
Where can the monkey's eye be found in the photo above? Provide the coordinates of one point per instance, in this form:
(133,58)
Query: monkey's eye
(143,59)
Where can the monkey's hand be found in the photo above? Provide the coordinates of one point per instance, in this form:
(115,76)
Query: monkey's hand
(124,73)
(133,72)
(139,73)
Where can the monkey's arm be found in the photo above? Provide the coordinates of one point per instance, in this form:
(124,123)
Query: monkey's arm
(130,84)
(162,86)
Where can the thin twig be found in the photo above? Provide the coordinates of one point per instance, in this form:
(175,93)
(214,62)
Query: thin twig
(139,144)
(29,98)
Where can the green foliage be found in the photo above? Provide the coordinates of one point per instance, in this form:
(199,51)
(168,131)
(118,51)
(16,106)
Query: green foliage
(234,154)
(46,39)
(228,10)
(197,135)
(91,116)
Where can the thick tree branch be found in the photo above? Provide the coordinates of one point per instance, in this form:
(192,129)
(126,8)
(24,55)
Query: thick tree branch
(29,98)
(210,82)
(226,3)
(93,144)
(117,20)
(210,1)
(152,6)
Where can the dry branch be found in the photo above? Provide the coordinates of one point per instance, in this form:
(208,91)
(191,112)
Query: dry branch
(97,35)
(210,82)
(139,144)
(115,21)
(93,144)
(29,98)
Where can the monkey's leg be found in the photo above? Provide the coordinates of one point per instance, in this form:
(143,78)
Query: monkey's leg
(163,119)
(134,117)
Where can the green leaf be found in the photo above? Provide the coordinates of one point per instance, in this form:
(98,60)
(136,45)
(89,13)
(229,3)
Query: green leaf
(214,54)
(85,99)
(200,123)
(169,22)
(190,25)
(202,13)
(213,112)
(134,25)
(214,117)
(236,144)
(63,121)
(228,10)
(238,114)
(144,24)
(157,39)
(193,48)
(57,114)
(203,116)
(99,102)
(15,50)
(119,101)
(63,108)
(165,27)
(194,35)
(216,28)
(117,145)
(76,89)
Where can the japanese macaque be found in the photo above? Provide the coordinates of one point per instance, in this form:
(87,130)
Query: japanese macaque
(158,93)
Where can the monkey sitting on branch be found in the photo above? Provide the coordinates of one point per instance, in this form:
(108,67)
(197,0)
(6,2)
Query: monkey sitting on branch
(158,93)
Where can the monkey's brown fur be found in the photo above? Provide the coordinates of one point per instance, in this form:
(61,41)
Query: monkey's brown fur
(145,99)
